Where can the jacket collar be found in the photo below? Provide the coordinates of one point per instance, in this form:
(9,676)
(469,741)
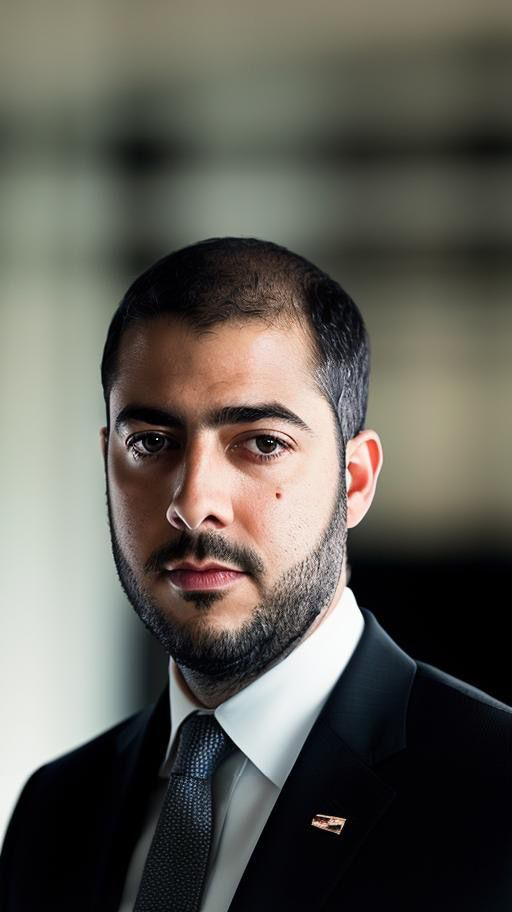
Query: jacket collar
(368,708)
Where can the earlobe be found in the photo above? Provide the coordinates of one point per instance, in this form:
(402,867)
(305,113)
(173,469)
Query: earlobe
(364,462)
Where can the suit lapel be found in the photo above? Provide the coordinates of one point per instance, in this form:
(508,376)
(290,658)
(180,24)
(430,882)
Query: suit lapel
(140,748)
(363,723)
(294,863)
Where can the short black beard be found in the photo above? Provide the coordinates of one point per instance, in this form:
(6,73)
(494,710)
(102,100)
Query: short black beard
(278,622)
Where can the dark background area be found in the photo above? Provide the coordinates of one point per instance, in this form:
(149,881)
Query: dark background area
(453,613)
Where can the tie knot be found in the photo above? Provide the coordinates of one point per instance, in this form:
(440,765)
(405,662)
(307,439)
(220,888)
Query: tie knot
(202,745)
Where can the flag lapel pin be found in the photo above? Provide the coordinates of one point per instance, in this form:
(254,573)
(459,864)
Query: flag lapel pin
(328,823)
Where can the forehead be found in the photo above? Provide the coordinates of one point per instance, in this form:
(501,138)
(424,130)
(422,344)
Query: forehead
(163,359)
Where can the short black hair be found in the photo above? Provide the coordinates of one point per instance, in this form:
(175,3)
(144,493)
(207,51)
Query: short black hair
(231,278)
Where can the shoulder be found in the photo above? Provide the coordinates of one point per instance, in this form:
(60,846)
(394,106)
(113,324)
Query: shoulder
(99,751)
(86,782)
(449,717)
(64,814)
(449,694)
(84,772)
(89,770)
(434,703)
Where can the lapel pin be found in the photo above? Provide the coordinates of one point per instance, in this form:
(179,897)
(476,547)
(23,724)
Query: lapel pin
(328,823)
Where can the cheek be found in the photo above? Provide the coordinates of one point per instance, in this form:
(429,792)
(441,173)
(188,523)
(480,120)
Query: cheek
(138,508)
(276,521)
(135,485)
(293,518)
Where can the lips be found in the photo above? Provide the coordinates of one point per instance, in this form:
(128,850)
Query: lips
(200,568)
(188,576)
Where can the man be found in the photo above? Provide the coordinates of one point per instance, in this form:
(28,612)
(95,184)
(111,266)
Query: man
(299,760)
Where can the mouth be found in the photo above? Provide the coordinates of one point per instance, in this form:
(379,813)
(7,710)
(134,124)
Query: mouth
(193,577)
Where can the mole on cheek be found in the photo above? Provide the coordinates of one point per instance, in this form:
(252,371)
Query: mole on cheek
(278,495)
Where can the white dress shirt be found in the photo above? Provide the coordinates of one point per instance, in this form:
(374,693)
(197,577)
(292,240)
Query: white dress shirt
(269,721)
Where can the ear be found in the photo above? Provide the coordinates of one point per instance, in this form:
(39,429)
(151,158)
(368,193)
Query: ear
(363,462)
(104,441)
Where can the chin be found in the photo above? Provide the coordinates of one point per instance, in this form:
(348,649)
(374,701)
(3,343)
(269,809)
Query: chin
(207,613)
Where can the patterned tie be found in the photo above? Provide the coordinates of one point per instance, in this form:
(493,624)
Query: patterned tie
(175,868)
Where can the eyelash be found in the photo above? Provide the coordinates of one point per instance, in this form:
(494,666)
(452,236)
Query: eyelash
(257,457)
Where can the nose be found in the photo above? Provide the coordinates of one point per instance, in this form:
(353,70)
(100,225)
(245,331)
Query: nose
(201,494)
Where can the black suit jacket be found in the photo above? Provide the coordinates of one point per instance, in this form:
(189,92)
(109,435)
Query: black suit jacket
(417,762)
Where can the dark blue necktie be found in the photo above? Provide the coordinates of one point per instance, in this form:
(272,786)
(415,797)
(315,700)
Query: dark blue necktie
(175,869)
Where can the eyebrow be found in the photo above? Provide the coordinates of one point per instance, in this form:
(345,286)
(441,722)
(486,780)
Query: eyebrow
(229,414)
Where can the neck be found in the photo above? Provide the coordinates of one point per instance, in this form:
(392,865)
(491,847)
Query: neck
(206,691)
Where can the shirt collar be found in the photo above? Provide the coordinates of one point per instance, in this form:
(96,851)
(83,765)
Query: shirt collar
(270,719)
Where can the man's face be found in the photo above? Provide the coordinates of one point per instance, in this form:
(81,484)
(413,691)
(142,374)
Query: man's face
(226,502)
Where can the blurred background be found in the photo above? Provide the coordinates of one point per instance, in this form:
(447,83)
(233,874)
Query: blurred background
(375,139)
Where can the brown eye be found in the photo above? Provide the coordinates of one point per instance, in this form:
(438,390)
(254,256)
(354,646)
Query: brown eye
(266,445)
(151,443)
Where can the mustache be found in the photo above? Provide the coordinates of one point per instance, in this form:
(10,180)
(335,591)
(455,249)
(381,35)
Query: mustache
(202,546)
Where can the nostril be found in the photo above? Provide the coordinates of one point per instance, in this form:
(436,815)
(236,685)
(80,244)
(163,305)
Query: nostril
(175,519)
(179,521)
